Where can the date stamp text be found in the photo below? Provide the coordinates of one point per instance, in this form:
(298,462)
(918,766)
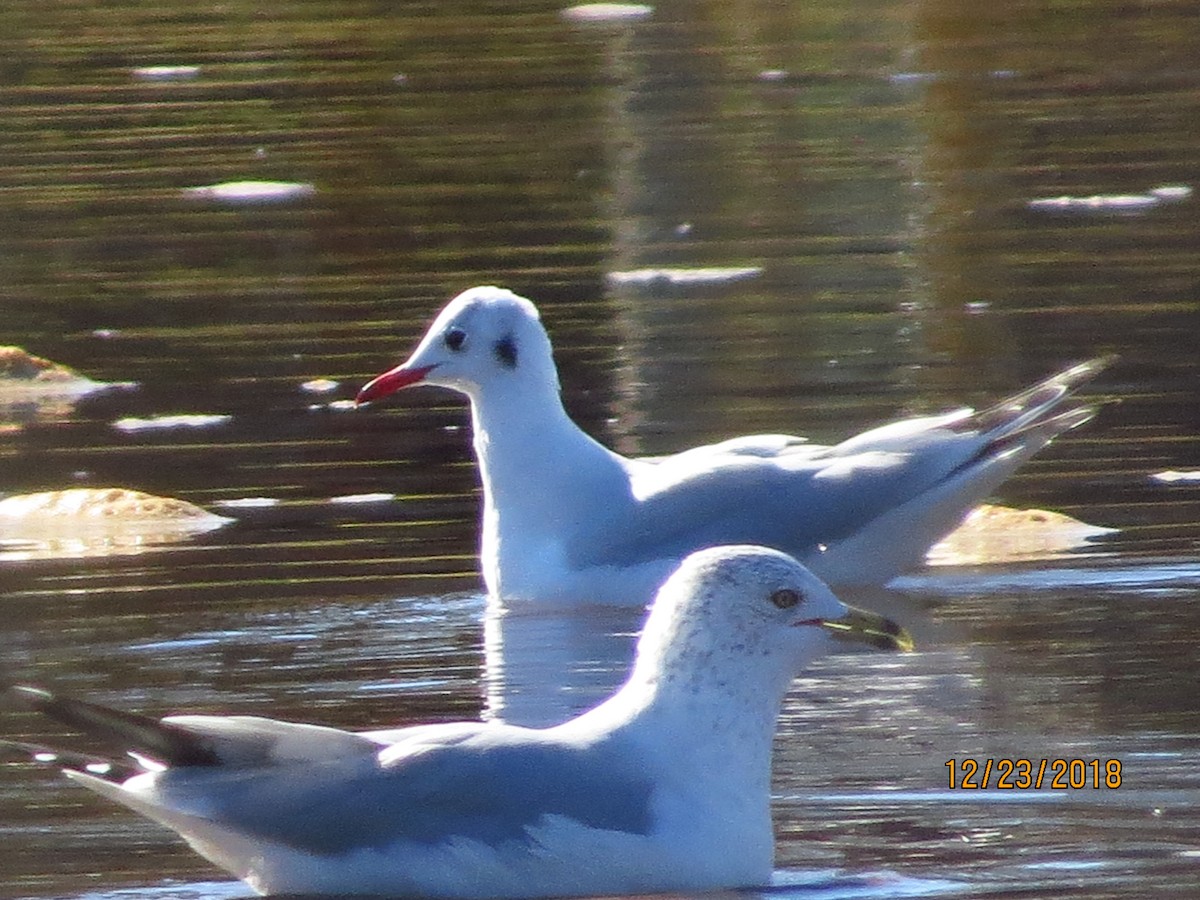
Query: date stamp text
(1005,774)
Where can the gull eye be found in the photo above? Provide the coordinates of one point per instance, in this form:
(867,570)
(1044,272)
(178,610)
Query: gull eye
(785,598)
(455,338)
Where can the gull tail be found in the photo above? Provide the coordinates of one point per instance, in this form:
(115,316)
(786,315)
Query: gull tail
(997,441)
(1009,433)
(220,756)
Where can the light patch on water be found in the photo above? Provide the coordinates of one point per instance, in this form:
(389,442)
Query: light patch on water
(165,73)
(196,890)
(1119,204)
(32,387)
(108,505)
(1000,534)
(178,644)
(249,502)
(607,12)
(416,684)
(824,884)
(251,193)
(1069,865)
(363,498)
(85,522)
(1173,476)
(18,367)
(1163,578)
(133,424)
(684,276)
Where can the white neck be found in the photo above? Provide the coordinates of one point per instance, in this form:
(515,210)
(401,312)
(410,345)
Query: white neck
(716,724)
(530,452)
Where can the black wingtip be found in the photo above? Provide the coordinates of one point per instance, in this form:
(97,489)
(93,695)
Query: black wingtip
(1034,406)
(129,732)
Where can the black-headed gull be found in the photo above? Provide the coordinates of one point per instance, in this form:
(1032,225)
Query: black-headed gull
(665,786)
(565,518)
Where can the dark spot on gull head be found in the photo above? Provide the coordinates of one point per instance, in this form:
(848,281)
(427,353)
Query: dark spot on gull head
(506,351)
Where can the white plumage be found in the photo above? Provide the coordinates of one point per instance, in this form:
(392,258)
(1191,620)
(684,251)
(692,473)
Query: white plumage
(663,787)
(566,519)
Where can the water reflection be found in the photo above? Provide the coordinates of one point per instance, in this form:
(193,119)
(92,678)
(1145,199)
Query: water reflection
(544,664)
(796,884)
(201,890)
(36,389)
(875,161)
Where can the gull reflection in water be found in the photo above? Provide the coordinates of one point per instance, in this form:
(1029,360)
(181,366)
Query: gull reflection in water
(545,663)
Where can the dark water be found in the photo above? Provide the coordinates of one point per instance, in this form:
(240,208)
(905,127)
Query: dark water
(872,162)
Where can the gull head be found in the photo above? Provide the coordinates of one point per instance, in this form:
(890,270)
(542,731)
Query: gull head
(750,610)
(485,337)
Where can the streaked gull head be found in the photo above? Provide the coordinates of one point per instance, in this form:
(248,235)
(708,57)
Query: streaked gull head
(745,620)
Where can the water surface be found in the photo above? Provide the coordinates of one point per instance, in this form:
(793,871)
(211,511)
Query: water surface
(868,164)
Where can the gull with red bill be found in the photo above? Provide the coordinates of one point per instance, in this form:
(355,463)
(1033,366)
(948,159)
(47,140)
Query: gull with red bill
(567,519)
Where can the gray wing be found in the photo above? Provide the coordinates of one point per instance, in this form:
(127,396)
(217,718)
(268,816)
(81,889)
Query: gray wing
(798,497)
(489,786)
(796,504)
(324,790)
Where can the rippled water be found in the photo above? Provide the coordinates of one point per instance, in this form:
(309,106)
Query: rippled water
(866,168)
